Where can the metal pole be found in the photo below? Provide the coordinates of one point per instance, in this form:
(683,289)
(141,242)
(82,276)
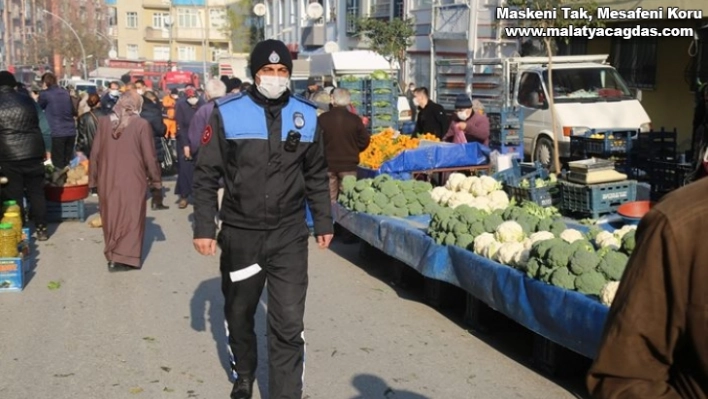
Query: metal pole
(471,44)
(205,47)
(81,44)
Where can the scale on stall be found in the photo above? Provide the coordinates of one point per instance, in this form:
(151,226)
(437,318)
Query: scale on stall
(594,171)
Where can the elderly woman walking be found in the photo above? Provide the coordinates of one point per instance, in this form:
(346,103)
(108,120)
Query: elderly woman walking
(122,162)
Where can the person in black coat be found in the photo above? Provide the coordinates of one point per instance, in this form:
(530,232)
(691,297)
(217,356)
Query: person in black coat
(88,125)
(431,116)
(152,112)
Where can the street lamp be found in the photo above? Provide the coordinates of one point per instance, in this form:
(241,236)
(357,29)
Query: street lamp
(168,24)
(81,44)
(260,10)
(112,53)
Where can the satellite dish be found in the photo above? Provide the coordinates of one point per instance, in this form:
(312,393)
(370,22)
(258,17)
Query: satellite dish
(260,9)
(315,11)
(112,54)
(331,47)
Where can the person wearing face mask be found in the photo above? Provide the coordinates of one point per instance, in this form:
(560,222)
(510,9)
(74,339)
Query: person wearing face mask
(267,146)
(168,105)
(185,110)
(410,95)
(215,89)
(109,100)
(431,116)
(140,86)
(469,124)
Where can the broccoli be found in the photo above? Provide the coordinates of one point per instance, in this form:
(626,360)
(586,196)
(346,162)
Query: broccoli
(612,265)
(592,233)
(583,261)
(424,198)
(558,254)
(402,212)
(422,186)
(491,222)
(563,278)
(545,273)
(469,215)
(361,185)
(532,268)
(528,223)
(415,209)
(439,237)
(544,224)
(348,183)
(411,197)
(460,228)
(431,207)
(513,213)
(590,283)
(389,210)
(540,249)
(343,198)
(381,200)
(442,214)
(373,209)
(557,227)
(360,207)
(399,201)
(380,180)
(604,251)
(629,242)
(406,185)
(450,239)
(464,240)
(582,244)
(367,195)
(390,189)
(476,228)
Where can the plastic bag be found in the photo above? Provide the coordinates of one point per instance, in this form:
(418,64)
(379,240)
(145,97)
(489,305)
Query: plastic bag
(77,160)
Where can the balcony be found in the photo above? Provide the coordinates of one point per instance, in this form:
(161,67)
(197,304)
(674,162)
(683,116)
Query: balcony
(112,31)
(197,35)
(157,4)
(153,34)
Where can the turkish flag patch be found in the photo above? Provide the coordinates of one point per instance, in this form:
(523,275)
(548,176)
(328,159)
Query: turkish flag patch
(206,136)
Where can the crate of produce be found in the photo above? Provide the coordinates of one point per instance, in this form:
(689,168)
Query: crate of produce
(534,187)
(382,86)
(602,143)
(59,211)
(12,274)
(358,86)
(506,136)
(379,112)
(519,169)
(666,176)
(596,199)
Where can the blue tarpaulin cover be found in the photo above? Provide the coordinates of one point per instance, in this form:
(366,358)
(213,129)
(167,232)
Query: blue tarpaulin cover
(565,317)
(430,157)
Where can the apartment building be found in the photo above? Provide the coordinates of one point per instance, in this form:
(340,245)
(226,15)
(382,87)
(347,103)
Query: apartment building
(176,30)
(22,21)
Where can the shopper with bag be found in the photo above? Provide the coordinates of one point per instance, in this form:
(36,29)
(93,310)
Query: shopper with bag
(88,125)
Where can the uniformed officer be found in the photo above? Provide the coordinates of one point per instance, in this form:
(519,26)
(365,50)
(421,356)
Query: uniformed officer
(267,147)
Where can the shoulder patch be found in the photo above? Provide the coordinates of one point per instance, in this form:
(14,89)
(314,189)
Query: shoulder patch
(206,136)
(304,100)
(228,98)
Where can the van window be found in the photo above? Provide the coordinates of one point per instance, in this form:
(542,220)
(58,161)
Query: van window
(531,93)
(90,89)
(588,85)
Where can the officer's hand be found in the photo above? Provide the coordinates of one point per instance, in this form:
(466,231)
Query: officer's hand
(205,246)
(323,241)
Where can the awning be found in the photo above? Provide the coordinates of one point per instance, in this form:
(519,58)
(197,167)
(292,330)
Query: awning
(107,72)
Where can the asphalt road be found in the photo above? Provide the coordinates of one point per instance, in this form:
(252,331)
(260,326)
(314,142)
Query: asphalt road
(158,332)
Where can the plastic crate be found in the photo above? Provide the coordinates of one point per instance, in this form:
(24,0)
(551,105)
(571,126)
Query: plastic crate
(665,177)
(518,169)
(354,86)
(656,145)
(506,136)
(544,196)
(517,150)
(586,146)
(378,111)
(381,85)
(57,212)
(596,199)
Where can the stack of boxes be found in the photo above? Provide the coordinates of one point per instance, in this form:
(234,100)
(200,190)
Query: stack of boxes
(374,99)
(12,270)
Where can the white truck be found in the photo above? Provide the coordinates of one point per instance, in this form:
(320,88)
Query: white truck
(588,93)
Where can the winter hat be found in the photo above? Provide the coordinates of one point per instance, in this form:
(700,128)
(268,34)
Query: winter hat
(463,101)
(270,52)
(174,92)
(7,79)
(233,83)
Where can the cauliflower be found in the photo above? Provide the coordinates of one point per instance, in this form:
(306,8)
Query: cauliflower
(541,236)
(460,198)
(607,295)
(527,243)
(509,232)
(477,188)
(619,234)
(446,197)
(454,181)
(437,193)
(482,241)
(491,249)
(572,235)
(611,242)
(507,252)
(499,197)
(466,184)
(521,258)
(602,236)
(490,184)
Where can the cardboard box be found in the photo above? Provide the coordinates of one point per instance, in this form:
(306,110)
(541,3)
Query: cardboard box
(12,274)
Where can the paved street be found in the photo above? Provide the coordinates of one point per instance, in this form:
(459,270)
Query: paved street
(158,333)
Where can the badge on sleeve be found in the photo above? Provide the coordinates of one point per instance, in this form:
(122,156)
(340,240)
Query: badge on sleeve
(206,136)
(299,120)
(274,58)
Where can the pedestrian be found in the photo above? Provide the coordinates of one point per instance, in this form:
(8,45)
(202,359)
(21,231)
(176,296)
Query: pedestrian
(345,136)
(140,86)
(22,152)
(275,161)
(57,105)
(43,123)
(122,163)
(654,343)
(410,95)
(168,105)
(431,116)
(109,100)
(233,86)
(246,86)
(323,101)
(184,113)
(699,138)
(215,89)
(469,124)
(152,112)
(88,125)
(314,85)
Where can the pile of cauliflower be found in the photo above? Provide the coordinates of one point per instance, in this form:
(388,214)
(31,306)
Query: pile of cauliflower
(483,193)
(622,239)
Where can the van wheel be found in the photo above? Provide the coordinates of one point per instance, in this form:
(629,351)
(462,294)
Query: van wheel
(543,152)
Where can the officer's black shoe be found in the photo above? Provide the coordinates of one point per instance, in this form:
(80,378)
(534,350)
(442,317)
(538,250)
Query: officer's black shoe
(243,388)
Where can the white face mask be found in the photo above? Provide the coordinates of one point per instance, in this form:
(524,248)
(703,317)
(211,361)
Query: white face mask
(174,96)
(273,87)
(115,93)
(140,91)
(462,115)
(415,102)
(192,100)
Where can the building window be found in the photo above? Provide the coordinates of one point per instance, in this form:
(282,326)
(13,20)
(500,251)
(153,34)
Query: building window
(187,18)
(398,8)
(161,53)
(187,53)
(112,19)
(352,16)
(281,11)
(132,52)
(160,20)
(131,20)
(293,12)
(269,9)
(217,18)
(635,60)
(216,53)
(422,4)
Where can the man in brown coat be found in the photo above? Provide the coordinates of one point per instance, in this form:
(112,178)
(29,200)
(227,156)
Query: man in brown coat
(345,136)
(655,343)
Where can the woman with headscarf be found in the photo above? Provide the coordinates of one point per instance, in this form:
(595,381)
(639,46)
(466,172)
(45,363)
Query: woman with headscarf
(88,124)
(122,162)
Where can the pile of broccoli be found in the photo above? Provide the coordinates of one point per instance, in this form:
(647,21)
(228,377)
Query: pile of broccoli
(460,226)
(575,266)
(386,196)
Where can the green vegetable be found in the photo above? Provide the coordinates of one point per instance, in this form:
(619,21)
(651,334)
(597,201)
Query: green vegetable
(544,224)
(373,209)
(513,213)
(582,244)
(613,264)
(539,211)
(424,198)
(439,237)
(405,185)
(590,283)
(491,222)
(563,278)
(459,228)
(545,273)
(450,239)
(384,117)
(349,78)
(464,240)
(532,268)
(381,199)
(379,180)
(400,201)
(367,195)
(361,185)
(402,212)
(390,188)
(379,75)
(468,214)
(540,249)
(422,186)
(558,254)
(360,207)
(583,261)
(431,207)
(557,227)
(381,104)
(415,209)
(629,242)
(348,183)
(389,210)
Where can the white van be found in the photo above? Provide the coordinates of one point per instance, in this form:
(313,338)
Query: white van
(79,85)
